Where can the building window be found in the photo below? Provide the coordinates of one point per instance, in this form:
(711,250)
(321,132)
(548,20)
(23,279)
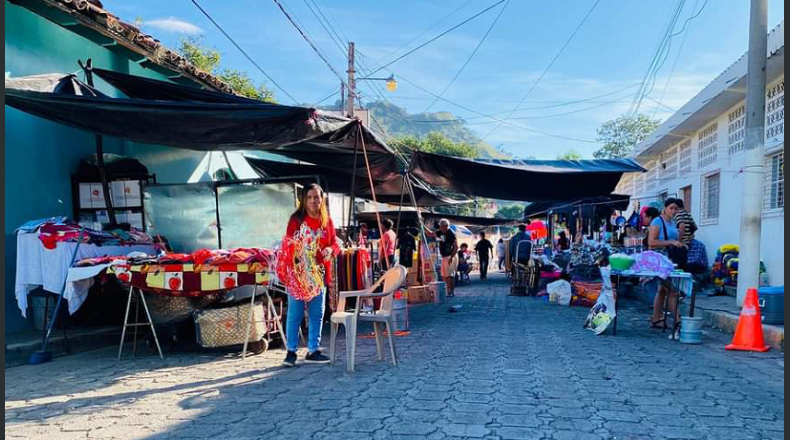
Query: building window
(651,177)
(775,113)
(686,158)
(669,166)
(663,197)
(737,130)
(775,183)
(711,198)
(709,146)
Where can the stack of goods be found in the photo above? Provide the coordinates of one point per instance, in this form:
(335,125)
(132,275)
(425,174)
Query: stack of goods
(725,268)
(58,230)
(420,276)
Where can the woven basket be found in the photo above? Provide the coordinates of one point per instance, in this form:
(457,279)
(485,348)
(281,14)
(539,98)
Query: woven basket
(226,327)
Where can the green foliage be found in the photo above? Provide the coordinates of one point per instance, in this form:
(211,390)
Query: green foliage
(209,60)
(570,155)
(514,212)
(436,143)
(398,123)
(621,135)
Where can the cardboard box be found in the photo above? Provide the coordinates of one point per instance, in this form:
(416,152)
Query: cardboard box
(85,196)
(412,279)
(420,295)
(118,194)
(430,277)
(133,193)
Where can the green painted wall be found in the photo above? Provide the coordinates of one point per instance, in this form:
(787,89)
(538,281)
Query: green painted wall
(41,156)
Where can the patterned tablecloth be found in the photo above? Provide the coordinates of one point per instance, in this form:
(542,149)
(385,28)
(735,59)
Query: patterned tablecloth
(192,280)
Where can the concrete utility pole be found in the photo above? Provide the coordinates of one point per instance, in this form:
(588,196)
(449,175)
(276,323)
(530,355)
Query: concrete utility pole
(753,177)
(352,82)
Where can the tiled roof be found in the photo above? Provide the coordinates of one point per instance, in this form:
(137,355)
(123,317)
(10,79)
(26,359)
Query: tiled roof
(90,14)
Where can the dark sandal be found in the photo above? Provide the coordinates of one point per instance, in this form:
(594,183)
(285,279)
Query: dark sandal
(658,324)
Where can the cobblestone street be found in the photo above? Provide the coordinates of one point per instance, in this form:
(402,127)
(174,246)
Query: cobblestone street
(501,368)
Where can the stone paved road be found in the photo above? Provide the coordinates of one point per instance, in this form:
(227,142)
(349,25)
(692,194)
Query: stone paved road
(503,368)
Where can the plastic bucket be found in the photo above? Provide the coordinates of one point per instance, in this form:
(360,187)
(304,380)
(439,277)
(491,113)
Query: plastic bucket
(691,331)
(400,313)
(439,290)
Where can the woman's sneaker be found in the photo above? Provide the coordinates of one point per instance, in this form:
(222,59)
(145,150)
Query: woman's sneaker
(316,358)
(290,360)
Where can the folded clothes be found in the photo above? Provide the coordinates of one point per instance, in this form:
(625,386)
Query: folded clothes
(34,225)
(54,231)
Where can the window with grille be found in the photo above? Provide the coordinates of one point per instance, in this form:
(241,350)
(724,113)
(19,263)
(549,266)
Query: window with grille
(709,146)
(737,131)
(686,158)
(663,197)
(669,166)
(775,113)
(651,178)
(775,183)
(711,198)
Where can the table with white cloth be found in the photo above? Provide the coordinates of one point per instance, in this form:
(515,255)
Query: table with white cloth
(37,266)
(681,282)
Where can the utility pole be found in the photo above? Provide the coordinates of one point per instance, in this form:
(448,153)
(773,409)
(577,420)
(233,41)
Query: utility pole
(352,82)
(752,207)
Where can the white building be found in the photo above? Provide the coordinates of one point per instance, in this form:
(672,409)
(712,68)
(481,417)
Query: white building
(698,155)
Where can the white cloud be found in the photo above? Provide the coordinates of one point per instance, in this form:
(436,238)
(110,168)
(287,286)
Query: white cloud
(174,25)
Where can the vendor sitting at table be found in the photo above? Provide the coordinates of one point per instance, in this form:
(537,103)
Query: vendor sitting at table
(664,238)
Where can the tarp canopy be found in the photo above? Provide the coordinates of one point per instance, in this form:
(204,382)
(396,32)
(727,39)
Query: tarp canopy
(615,202)
(161,113)
(523,180)
(410,217)
(339,182)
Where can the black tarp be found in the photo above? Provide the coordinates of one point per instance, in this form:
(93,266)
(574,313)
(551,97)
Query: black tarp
(615,202)
(409,217)
(339,182)
(160,113)
(525,180)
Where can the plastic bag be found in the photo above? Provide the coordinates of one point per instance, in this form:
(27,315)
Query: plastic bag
(604,312)
(560,292)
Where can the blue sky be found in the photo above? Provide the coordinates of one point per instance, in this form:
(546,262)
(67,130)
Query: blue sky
(609,54)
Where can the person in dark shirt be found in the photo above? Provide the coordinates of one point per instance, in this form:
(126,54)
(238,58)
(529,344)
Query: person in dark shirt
(407,244)
(564,244)
(521,253)
(484,249)
(448,248)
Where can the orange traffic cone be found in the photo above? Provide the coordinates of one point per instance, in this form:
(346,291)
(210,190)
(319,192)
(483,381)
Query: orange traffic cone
(749,335)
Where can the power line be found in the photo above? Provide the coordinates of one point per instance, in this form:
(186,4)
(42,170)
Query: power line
(686,26)
(309,41)
(438,36)
(554,61)
(421,34)
(474,52)
(243,52)
(320,21)
(502,121)
(657,62)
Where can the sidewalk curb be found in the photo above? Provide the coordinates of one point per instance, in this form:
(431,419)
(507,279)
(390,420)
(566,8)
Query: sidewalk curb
(728,323)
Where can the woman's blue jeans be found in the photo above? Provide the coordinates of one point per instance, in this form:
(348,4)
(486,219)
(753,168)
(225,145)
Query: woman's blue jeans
(315,313)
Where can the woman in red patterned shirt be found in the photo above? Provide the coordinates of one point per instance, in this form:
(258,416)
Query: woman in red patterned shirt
(311,247)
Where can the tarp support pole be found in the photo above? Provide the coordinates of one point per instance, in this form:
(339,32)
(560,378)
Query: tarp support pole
(352,206)
(105,185)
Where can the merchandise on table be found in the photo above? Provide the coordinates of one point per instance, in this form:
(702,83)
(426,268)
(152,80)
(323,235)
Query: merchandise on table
(585,294)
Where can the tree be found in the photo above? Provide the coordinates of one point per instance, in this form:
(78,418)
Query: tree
(513,212)
(621,135)
(436,143)
(209,60)
(570,155)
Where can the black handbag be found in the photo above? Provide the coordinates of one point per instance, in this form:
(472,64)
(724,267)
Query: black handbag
(678,255)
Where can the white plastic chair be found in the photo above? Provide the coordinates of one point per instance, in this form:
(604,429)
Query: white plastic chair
(391,281)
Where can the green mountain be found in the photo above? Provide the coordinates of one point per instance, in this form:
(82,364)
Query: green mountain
(398,122)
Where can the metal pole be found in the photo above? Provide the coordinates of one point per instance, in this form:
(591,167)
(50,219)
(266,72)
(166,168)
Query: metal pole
(88,68)
(352,84)
(752,205)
